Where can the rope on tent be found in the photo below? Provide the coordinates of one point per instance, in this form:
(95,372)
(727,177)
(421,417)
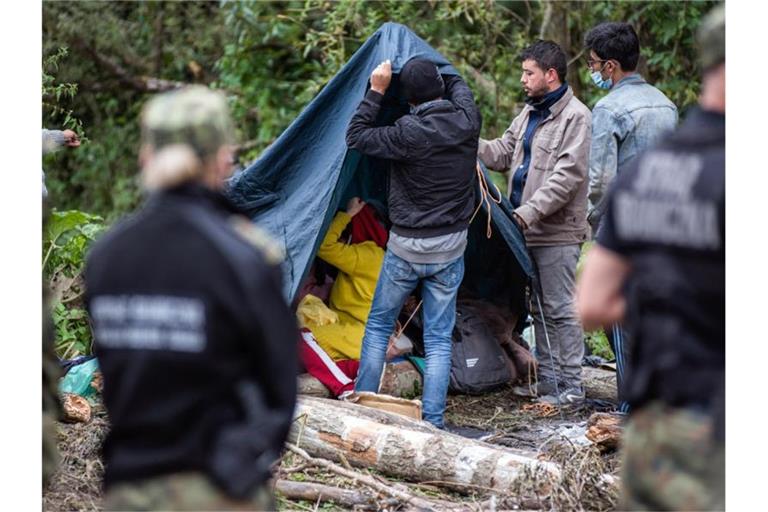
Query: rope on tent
(397,335)
(485,197)
(400,331)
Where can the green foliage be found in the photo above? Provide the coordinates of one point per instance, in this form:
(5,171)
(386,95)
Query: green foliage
(675,67)
(66,239)
(414,392)
(667,45)
(73,332)
(55,94)
(598,344)
(500,181)
(272,58)
(596,341)
(585,247)
(124,43)
(298,477)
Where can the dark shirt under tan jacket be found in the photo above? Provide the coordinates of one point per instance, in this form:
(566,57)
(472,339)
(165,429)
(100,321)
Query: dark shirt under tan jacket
(553,205)
(554,200)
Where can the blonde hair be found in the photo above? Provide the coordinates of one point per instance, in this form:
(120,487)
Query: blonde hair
(170,166)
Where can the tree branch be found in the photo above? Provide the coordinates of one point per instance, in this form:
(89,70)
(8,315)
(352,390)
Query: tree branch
(368,480)
(488,85)
(545,21)
(577,57)
(247,145)
(159,38)
(139,83)
(313,492)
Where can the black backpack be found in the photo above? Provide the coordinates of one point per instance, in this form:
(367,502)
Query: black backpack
(478,363)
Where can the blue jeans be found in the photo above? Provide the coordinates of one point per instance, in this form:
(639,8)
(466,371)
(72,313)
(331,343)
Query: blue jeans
(398,278)
(618,341)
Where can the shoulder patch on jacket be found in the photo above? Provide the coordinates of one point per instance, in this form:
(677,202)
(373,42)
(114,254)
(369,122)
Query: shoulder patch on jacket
(259,238)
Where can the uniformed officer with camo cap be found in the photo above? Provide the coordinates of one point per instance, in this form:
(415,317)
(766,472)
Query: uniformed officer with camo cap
(194,338)
(659,263)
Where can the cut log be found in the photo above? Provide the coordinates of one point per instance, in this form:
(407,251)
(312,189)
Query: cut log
(401,379)
(599,383)
(404,448)
(399,406)
(309,386)
(604,430)
(76,408)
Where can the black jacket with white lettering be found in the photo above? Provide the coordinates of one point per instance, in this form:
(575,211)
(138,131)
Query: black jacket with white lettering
(666,217)
(434,154)
(187,312)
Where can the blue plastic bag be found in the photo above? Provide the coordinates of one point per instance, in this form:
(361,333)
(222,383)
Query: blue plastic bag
(78,378)
(66,364)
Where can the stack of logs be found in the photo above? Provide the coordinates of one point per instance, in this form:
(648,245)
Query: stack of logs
(341,436)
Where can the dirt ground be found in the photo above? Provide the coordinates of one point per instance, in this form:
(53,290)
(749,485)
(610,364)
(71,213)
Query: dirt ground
(510,421)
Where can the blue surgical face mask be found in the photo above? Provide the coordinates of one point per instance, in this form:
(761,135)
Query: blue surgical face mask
(601,82)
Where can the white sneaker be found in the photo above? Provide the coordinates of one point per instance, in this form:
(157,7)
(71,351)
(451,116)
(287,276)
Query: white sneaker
(345,395)
(541,388)
(569,396)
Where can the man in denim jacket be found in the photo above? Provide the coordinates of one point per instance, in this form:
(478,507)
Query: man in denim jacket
(631,117)
(627,121)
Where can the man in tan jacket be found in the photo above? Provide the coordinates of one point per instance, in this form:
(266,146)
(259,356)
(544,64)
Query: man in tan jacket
(546,152)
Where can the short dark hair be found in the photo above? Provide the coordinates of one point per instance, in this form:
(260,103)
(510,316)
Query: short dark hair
(613,40)
(547,54)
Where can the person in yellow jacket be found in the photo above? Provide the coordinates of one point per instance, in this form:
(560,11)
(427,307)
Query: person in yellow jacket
(351,296)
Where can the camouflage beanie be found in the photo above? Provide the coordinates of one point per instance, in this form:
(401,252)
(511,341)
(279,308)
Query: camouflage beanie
(195,116)
(711,38)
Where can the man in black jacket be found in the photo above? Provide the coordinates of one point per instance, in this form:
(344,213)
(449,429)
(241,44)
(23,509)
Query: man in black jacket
(431,199)
(195,341)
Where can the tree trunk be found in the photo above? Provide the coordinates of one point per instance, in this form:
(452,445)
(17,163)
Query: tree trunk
(555,27)
(405,448)
(307,385)
(402,380)
(599,383)
(159,36)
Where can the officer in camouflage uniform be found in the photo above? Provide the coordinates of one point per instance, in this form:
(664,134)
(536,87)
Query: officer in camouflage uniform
(659,263)
(195,342)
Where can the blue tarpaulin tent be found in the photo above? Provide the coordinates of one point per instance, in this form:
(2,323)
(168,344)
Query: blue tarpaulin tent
(300,181)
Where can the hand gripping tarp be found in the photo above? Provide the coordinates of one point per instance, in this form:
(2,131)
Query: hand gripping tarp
(294,189)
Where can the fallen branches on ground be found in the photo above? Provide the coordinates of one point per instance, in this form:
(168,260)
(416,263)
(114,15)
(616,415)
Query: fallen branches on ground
(314,492)
(371,482)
